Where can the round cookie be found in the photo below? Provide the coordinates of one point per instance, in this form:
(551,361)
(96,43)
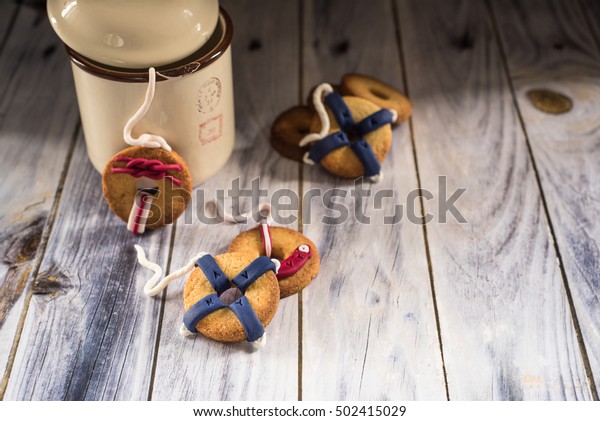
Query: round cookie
(343,162)
(288,129)
(223,325)
(284,244)
(171,189)
(378,92)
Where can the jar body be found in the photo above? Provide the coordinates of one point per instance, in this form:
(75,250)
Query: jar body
(193,109)
(134,33)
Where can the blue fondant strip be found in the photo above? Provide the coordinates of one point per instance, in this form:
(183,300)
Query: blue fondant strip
(252,272)
(365,154)
(326,145)
(340,110)
(373,122)
(200,310)
(248,318)
(213,273)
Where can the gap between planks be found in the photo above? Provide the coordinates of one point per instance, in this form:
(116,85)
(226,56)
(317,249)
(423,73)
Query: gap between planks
(161,314)
(40,253)
(300,183)
(421,204)
(574,318)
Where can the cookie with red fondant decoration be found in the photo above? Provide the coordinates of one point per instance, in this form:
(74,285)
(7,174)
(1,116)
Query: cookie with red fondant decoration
(147,187)
(299,257)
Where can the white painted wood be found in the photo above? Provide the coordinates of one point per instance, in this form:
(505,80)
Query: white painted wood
(549,45)
(369,330)
(506,326)
(38,117)
(265,61)
(90,332)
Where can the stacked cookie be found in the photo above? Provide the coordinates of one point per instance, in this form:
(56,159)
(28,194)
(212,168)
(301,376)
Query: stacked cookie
(363,100)
(233,296)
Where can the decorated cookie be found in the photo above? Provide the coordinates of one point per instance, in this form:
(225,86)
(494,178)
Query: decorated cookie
(288,129)
(378,92)
(230,297)
(298,255)
(350,137)
(253,297)
(146,187)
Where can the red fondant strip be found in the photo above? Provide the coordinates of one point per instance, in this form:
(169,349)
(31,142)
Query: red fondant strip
(295,262)
(138,215)
(151,168)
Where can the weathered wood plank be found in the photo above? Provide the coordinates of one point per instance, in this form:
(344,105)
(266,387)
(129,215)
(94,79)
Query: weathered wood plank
(38,118)
(591,9)
(548,45)
(8,12)
(89,333)
(265,60)
(506,327)
(369,330)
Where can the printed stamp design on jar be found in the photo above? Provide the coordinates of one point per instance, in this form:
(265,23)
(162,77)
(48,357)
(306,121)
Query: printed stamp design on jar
(208,95)
(211,129)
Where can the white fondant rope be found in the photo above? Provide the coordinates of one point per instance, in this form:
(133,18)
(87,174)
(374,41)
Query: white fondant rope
(146,140)
(217,208)
(154,287)
(183,331)
(318,94)
(266,235)
(377,178)
(144,262)
(277,265)
(306,159)
(261,342)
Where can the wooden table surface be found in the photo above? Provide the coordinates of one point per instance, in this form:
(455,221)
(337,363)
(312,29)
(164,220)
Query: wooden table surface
(504,306)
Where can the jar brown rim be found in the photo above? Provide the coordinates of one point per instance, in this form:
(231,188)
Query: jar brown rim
(190,65)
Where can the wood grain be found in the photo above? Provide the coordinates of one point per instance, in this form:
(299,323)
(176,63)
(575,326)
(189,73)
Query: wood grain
(75,325)
(506,326)
(369,330)
(8,14)
(549,45)
(90,332)
(591,10)
(38,117)
(266,68)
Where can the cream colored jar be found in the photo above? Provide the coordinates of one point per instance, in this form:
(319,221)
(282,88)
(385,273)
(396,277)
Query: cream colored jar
(134,33)
(192,107)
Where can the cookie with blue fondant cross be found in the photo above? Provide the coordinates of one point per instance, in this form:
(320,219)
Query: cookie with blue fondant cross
(358,138)
(231,297)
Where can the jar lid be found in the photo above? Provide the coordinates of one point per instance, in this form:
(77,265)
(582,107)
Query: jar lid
(134,34)
(214,48)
